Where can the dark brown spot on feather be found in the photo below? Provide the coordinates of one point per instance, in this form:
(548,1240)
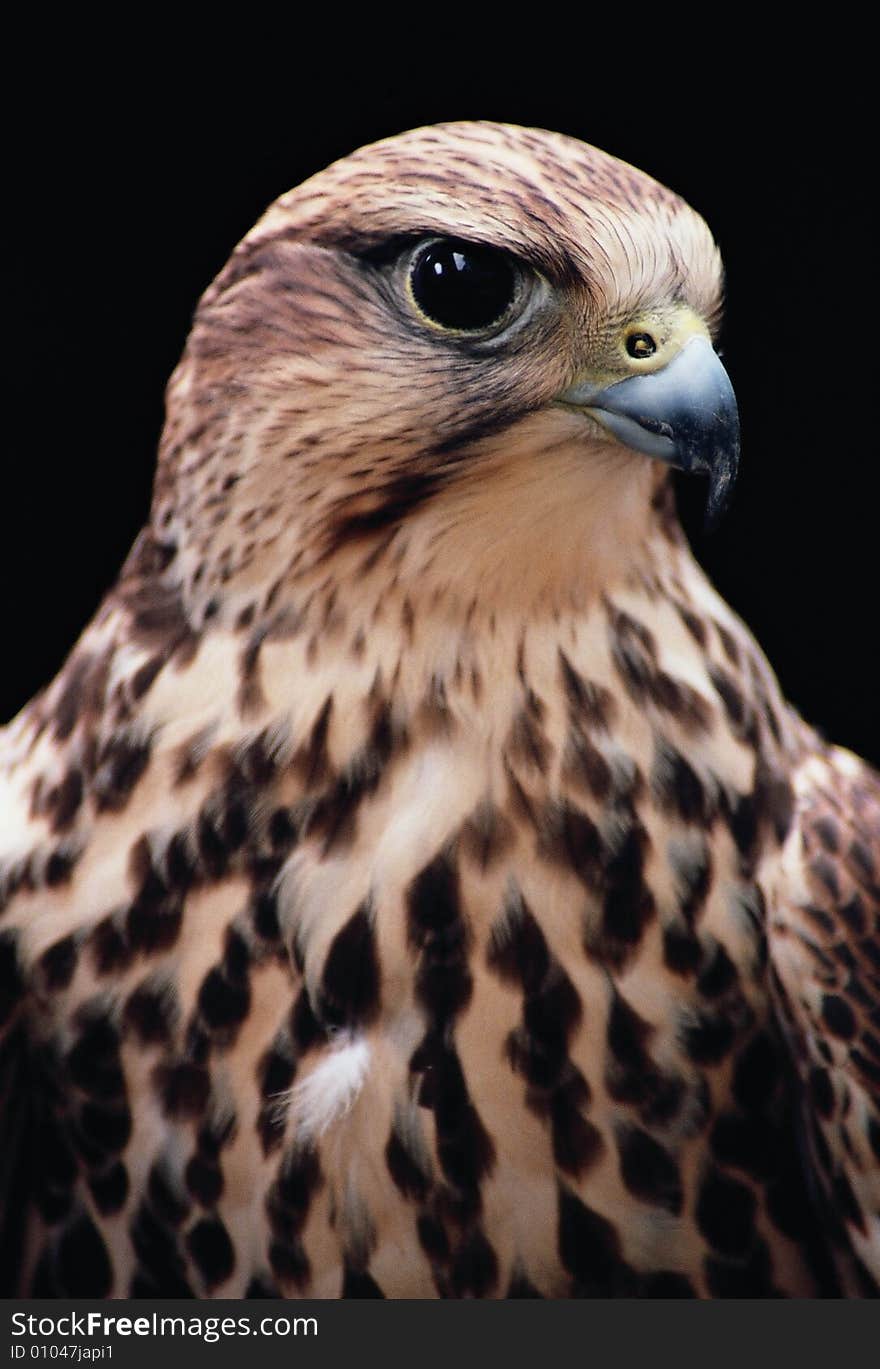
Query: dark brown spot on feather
(719,973)
(305,1029)
(527,743)
(568,838)
(709,1037)
(838,1017)
(82,1265)
(729,645)
(283,831)
(57,964)
(692,868)
(213,849)
(109,946)
(584,767)
(359,1283)
(825,829)
(277,1067)
(190,755)
(630,633)
(436,929)
(693,622)
(223,1003)
(869,1069)
(106,1128)
(157,616)
(143,678)
(631,1074)
(517,947)
(577,1143)
(254,763)
(676,787)
(824,872)
(313,759)
(589,1248)
(474,1269)
(774,802)
(121,762)
(682,952)
(211,1250)
(861,863)
(634,656)
(590,705)
(379,509)
(109,1189)
(726,1213)
(64,802)
(627,902)
(183,1088)
(151,1012)
(432,1238)
(486,835)
(289,1262)
(738,810)
(93,1060)
(180,869)
(464,1148)
(204,1180)
(83,686)
(154,917)
(818,916)
(649,1171)
(538,1048)
(405,1169)
(335,812)
(250,690)
(161,1268)
(60,865)
(350,985)
(749,1143)
(290,1197)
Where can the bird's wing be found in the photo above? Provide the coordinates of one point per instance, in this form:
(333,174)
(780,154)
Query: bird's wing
(824,942)
(15,1119)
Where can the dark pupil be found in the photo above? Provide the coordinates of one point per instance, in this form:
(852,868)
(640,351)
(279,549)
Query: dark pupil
(641,345)
(463,285)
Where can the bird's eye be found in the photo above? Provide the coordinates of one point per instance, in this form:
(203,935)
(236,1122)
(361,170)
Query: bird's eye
(640,345)
(464,286)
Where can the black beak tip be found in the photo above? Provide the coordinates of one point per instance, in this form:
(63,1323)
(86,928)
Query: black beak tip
(722,478)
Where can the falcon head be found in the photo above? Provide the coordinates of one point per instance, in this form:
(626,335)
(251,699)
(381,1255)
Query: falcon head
(473,348)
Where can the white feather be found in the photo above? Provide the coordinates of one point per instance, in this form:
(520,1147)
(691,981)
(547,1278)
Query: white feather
(330,1091)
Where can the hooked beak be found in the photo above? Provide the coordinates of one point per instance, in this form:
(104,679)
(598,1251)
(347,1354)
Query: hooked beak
(684,414)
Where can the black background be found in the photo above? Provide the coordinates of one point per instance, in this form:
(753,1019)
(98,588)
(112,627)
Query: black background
(132,181)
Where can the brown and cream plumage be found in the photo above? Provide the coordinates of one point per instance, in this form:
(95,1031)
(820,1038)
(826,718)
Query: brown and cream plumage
(414,883)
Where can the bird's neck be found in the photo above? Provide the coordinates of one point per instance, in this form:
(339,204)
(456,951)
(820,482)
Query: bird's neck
(525,536)
(532,533)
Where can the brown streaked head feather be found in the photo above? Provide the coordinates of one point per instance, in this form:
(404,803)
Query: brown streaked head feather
(315,413)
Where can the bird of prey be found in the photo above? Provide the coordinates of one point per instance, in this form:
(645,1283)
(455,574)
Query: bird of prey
(414,883)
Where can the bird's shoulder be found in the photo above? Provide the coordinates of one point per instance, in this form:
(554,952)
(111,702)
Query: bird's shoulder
(824,939)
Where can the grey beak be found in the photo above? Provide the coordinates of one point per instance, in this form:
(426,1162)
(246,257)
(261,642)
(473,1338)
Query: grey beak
(685,414)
